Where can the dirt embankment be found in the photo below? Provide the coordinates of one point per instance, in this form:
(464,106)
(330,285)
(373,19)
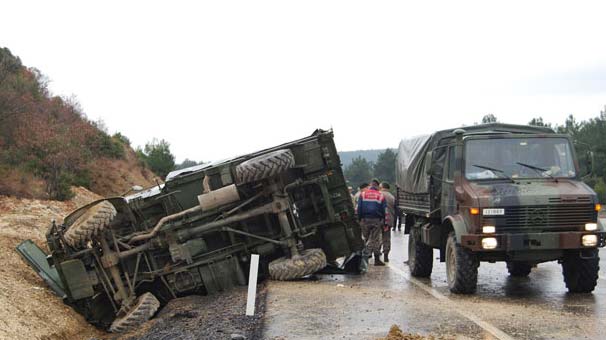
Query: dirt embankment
(28,309)
(112,177)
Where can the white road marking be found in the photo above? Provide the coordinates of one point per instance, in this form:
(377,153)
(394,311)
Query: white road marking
(499,334)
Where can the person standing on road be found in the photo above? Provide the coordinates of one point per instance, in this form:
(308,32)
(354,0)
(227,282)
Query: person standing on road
(356,198)
(371,212)
(389,220)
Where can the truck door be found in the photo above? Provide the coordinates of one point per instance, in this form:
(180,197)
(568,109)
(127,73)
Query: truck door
(448,204)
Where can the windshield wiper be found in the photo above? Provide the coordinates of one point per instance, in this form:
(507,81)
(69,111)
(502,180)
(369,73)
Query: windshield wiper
(539,170)
(494,170)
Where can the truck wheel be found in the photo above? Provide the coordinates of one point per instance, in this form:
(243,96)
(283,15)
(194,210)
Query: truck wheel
(420,255)
(307,262)
(144,309)
(518,269)
(461,267)
(90,224)
(580,274)
(264,166)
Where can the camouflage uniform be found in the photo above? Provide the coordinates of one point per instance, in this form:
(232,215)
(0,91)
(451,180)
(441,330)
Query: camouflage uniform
(372,230)
(371,212)
(389,220)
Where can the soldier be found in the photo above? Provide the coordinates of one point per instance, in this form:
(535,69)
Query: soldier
(371,212)
(361,188)
(389,220)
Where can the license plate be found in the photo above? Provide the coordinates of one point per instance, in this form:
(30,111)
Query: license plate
(493,212)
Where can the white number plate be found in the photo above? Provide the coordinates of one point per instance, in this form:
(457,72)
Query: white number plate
(493,212)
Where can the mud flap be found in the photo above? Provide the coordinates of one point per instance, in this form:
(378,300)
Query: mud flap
(37,259)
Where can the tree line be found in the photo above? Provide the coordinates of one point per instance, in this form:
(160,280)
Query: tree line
(362,171)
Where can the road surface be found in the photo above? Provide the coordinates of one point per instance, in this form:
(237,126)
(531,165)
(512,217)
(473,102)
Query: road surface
(365,306)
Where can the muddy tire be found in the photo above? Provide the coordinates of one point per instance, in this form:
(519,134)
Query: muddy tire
(461,267)
(147,305)
(264,166)
(518,269)
(581,274)
(420,255)
(307,262)
(90,224)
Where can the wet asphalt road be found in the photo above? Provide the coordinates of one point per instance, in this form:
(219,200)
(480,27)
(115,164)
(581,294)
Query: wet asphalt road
(365,306)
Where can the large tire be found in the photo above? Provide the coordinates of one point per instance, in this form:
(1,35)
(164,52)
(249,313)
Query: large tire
(581,274)
(518,269)
(307,262)
(420,255)
(147,305)
(264,166)
(90,224)
(461,267)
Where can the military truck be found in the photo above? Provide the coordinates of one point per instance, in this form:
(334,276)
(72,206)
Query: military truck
(498,192)
(117,260)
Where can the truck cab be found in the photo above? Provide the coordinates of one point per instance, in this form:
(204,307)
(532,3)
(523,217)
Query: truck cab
(500,193)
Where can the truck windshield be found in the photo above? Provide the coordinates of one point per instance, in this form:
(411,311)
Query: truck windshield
(518,158)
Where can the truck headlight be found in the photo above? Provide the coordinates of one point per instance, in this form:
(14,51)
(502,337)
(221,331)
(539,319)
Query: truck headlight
(488,229)
(491,242)
(589,240)
(591,226)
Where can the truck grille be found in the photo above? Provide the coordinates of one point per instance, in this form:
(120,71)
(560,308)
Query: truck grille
(569,217)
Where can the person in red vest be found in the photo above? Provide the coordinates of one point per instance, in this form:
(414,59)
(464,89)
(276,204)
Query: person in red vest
(371,213)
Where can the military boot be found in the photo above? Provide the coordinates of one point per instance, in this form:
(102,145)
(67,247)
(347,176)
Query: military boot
(378,261)
(386,257)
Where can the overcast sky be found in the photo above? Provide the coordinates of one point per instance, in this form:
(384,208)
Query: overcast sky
(221,78)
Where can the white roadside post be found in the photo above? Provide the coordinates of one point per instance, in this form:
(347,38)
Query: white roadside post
(252,284)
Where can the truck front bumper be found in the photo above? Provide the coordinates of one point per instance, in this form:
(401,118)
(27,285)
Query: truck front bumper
(532,241)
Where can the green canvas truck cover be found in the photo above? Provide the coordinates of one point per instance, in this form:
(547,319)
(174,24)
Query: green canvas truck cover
(413,164)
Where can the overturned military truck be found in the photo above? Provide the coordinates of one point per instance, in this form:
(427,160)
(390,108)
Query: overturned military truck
(498,192)
(117,260)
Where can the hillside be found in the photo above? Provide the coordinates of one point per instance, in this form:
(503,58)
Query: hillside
(48,145)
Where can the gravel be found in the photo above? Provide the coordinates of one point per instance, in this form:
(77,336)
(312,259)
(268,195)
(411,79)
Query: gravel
(218,316)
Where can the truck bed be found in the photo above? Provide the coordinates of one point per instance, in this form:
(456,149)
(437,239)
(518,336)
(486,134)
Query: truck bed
(412,203)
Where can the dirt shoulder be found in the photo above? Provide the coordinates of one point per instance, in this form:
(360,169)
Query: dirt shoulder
(28,309)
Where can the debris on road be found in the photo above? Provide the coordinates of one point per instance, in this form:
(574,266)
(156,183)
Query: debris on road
(395,333)
(219,316)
